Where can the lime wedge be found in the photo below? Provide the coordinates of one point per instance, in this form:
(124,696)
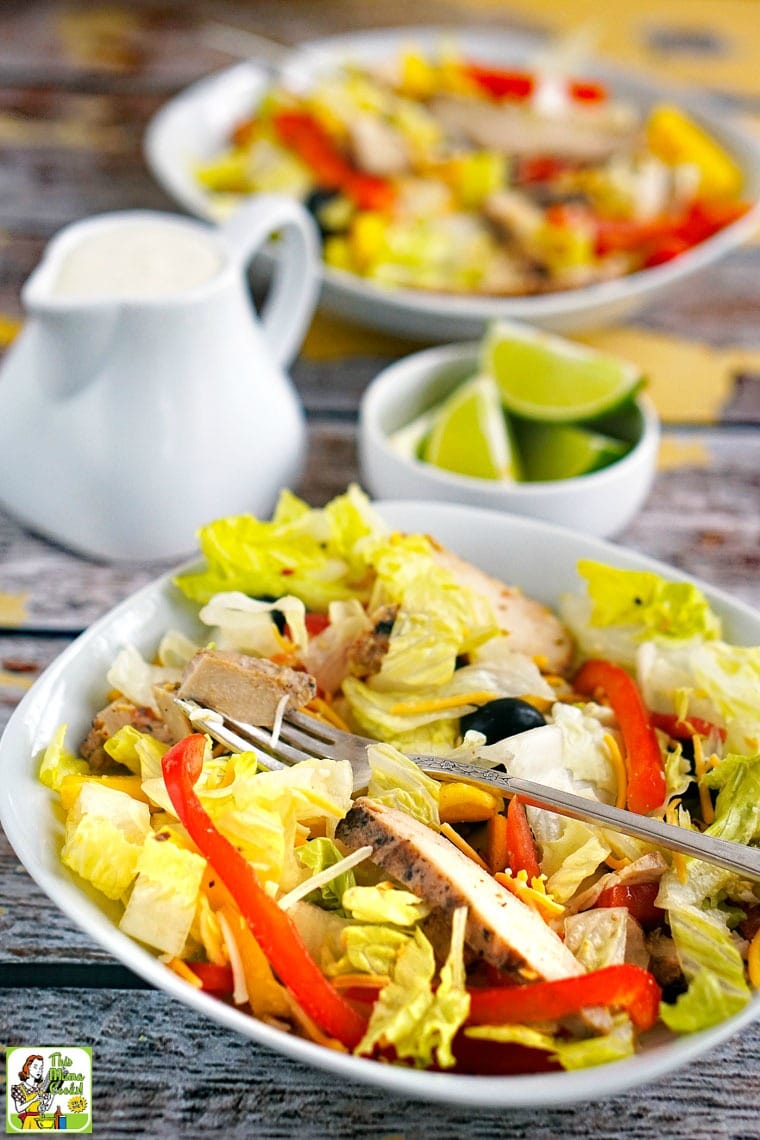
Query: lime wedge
(563,451)
(470,434)
(547,378)
(410,440)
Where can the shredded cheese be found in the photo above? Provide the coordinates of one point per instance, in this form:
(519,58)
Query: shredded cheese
(442,704)
(534,894)
(616,759)
(239,987)
(347,981)
(320,709)
(315,881)
(448,831)
(679,861)
(183,971)
(700,767)
(279,714)
(753,961)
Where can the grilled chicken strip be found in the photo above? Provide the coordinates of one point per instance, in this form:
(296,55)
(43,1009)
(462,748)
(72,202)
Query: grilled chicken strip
(532,628)
(500,928)
(243,687)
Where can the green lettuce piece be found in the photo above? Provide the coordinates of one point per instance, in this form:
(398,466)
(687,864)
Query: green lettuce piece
(737,807)
(646,600)
(384,903)
(57,763)
(437,620)
(162,905)
(105,831)
(713,967)
(418,1023)
(138,751)
(316,552)
(397,782)
(317,855)
(571,858)
(368,950)
(619,1043)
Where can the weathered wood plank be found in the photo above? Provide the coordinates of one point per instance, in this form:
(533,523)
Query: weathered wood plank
(162,1070)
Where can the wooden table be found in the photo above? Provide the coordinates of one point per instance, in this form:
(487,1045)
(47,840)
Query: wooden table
(77,87)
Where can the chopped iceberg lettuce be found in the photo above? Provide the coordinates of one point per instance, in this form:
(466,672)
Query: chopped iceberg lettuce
(317,552)
(248,625)
(384,903)
(105,831)
(162,905)
(317,855)
(409,1016)
(57,763)
(133,676)
(398,782)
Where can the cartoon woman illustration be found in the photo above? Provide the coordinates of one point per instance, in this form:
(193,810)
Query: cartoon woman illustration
(31,1096)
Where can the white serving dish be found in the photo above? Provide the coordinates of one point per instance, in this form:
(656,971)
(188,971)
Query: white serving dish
(541,558)
(602,503)
(195,125)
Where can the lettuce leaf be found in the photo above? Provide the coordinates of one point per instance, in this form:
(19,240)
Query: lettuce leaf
(624,607)
(57,763)
(418,1023)
(105,831)
(397,782)
(384,904)
(710,679)
(713,967)
(248,625)
(368,950)
(317,552)
(316,855)
(162,905)
(133,676)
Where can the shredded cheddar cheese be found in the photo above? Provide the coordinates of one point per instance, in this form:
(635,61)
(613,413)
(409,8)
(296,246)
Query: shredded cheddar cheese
(616,759)
(700,767)
(753,961)
(448,831)
(183,971)
(534,894)
(442,704)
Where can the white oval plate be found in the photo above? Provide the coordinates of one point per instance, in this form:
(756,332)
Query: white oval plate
(539,556)
(195,125)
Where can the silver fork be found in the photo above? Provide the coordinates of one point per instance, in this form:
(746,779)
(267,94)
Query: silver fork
(302,737)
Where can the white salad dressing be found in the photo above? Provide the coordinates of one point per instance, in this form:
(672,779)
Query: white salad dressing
(137,259)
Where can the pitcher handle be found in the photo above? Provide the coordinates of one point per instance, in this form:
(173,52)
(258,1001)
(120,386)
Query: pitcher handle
(293,292)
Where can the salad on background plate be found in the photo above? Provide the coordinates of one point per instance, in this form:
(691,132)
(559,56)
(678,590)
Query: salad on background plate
(438,170)
(420,924)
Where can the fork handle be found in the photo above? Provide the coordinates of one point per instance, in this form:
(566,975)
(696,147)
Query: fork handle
(724,853)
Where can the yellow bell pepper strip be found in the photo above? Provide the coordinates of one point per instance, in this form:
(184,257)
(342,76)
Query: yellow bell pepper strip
(646,772)
(305,135)
(625,987)
(272,928)
(676,138)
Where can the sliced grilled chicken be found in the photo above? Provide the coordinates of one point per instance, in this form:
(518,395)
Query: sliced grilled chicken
(246,688)
(532,628)
(500,928)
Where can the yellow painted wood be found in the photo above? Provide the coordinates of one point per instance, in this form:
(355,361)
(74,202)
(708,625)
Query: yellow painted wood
(13,609)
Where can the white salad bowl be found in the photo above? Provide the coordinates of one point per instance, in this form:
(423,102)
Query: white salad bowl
(601,503)
(541,558)
(195,125)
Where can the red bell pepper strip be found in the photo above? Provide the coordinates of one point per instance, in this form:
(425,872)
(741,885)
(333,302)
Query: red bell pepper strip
(272,928)
(684,729)
(214,979)
(638,898)
(502,83)
(626,987)
(315,623)
(646,772)
(306,136)
(521,846)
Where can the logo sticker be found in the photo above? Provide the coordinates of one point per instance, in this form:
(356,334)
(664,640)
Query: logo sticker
(48,1087)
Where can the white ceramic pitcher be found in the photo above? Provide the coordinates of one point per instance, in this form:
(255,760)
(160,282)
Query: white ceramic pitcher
(132,411)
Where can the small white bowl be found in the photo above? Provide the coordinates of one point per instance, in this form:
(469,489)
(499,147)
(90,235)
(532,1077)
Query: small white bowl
(601,504)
